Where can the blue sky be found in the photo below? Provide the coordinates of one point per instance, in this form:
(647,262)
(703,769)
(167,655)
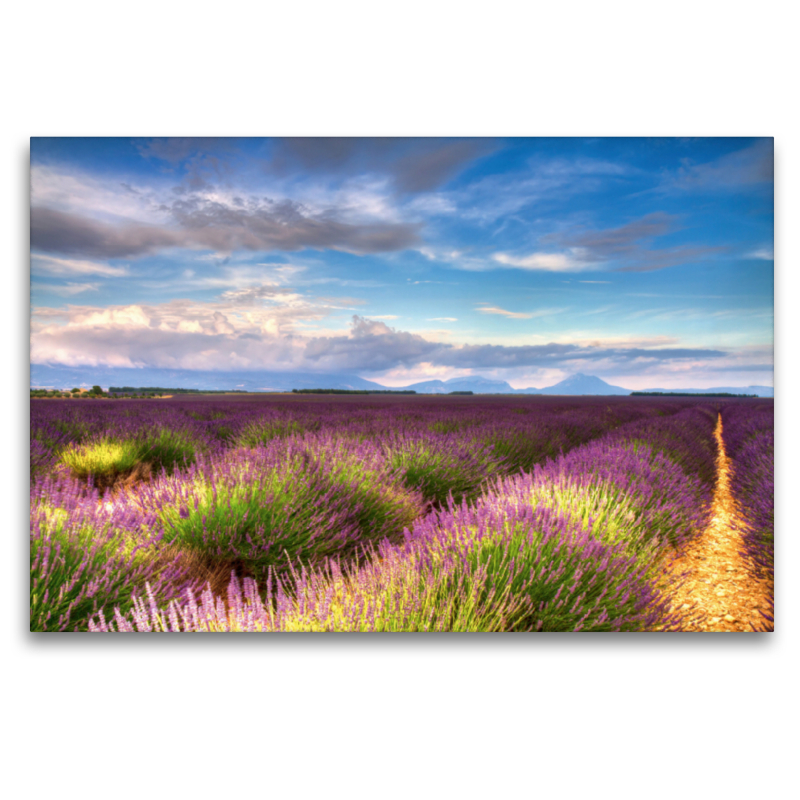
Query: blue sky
(646,262)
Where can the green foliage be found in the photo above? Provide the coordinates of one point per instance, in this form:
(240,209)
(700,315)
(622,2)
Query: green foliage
(261,432)
(109,459)
(439,472)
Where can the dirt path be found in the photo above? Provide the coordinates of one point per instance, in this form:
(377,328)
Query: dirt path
(721,591)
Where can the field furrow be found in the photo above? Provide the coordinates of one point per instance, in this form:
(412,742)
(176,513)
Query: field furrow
(718,588)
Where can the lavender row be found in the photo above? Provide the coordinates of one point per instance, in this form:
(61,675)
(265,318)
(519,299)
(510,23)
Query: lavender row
(471,569)
(571,546)
(749,435)
(169,434)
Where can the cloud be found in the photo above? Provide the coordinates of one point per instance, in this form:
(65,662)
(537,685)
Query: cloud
(415,165)
(68,289)
(188,335)
(749,166)
(199,223)
(550,262)
(176,149)
(548,355)
(70,234)
(766,253)
(433,166)
(616,242)
(50,265)
(442,319)
(371,346)
(627,247)
(374,347)
(503,312)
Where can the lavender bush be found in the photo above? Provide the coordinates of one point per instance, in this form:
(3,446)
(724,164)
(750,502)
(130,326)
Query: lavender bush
(748,432)
(87,556)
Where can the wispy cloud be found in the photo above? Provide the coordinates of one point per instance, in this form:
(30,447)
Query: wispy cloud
(751,165)
(51,265)
(763,254)
(502,312)
(68,289)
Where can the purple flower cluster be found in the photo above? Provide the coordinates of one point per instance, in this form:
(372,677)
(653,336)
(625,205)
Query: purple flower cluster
(748,431)
(480,568)
(87,556)
(295,499)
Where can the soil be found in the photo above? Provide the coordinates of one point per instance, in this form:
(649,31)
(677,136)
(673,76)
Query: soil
(715,586)
(113,482)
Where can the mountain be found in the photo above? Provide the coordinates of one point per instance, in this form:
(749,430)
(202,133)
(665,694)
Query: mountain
(58,377)
(46,376)
(473,383)
(584,384)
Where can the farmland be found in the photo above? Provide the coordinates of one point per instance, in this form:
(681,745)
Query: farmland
(353,513)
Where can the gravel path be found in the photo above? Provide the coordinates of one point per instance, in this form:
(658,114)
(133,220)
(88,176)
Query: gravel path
(717,587)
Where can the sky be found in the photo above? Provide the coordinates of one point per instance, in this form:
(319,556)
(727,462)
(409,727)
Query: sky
(645,262)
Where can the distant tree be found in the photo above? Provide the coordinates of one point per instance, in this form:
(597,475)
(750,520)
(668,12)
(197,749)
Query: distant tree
(97,390)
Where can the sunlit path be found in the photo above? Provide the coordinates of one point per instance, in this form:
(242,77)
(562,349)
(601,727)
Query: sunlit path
(720,591)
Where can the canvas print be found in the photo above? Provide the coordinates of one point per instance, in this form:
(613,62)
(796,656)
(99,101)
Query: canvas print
(401,385)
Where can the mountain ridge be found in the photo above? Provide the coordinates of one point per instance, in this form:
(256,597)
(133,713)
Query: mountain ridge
(53,376)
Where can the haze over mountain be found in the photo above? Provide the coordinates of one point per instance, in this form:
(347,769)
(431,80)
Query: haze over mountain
(56,377)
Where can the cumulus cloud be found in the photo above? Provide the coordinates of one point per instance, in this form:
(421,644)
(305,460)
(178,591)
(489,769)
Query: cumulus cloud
(223,335)
(373,346)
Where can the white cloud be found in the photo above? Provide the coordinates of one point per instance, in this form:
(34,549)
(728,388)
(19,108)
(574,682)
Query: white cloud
(549,262)
(117,317)
(51,265)
(503,312)
(766,253)
(68,289)
(78,191)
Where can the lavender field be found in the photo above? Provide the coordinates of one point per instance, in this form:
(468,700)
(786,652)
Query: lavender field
(313,513)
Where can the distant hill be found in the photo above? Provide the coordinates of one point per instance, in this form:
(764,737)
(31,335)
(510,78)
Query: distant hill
(57,377)
(474,383)
(761,391)
(584,384)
